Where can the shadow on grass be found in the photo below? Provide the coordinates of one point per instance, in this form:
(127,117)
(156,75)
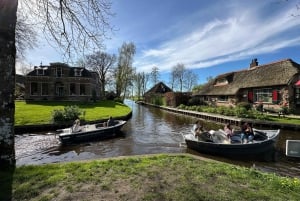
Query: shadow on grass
(6,182)
(111,104)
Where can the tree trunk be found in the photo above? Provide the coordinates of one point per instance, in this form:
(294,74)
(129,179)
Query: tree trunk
(8,16)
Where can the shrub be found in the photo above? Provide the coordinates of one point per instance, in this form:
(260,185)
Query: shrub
(241,112)
(58,116)
(118,100)
(69,113)
(245,105)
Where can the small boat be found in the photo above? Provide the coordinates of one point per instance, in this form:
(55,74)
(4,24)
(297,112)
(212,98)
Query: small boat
(262,146)
(89,132)
(292,148)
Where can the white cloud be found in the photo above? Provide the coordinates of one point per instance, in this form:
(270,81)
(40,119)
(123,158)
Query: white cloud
(233,37)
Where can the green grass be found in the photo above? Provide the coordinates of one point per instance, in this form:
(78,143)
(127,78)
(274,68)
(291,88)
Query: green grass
(157,177)
(36,113)
(285,120)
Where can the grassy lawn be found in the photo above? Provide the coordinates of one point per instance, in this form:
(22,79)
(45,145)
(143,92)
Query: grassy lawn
(180,177)
(41,112)
(285,120)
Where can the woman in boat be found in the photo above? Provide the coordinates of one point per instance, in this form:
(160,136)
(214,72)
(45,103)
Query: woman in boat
(228,130)
(197,128)
(247,133)
(76,126)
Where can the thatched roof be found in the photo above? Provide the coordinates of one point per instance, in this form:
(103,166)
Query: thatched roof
(159,88)
(272,74)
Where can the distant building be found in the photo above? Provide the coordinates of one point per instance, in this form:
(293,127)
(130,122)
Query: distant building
(275,85)
(156,91)
(59,81)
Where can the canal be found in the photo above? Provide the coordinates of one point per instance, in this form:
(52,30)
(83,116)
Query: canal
(149,131)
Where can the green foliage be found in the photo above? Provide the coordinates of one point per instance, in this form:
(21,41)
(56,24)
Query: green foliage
(245,105)
(69,113)
(118,100)
(196,101)
(240,112)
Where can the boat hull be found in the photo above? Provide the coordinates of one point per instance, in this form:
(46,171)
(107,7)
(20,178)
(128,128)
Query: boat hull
(87,134)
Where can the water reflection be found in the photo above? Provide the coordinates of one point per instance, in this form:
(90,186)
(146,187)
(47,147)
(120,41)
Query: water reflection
(149,131)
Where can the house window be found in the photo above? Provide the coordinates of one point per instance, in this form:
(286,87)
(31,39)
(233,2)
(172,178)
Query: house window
(40,71)
(59,72)
(82,89)
(72,89)
(223,98)
(44,89)
(263,95)
(34,88)
(77,72)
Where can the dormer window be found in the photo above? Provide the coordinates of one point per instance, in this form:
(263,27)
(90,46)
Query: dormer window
(221,81)
(58,72)
(78,72)
(40,71)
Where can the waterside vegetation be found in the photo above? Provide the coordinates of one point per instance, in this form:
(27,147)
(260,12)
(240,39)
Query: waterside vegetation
(153,177)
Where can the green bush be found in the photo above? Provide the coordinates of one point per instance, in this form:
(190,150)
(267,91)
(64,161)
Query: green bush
(58,116)
(241,112)
(69,113)
(245,105)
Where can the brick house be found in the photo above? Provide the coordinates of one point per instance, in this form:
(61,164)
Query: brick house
(275,85)
(59,81)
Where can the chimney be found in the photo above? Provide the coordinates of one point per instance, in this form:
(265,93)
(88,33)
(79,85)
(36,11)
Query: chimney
(253,63)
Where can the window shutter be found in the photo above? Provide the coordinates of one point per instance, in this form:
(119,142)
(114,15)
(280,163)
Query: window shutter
(275,96)
(250,96)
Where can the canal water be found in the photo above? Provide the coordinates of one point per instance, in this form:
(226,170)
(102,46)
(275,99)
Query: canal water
(149,131)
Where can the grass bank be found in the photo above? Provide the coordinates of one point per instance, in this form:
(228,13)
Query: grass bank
(180,177)
(36,113)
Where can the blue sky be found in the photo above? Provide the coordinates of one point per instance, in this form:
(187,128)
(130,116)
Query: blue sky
(209,37)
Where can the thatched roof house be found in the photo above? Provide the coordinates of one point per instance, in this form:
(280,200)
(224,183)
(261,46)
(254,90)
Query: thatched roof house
(273,84)
(154,94)
(159,88)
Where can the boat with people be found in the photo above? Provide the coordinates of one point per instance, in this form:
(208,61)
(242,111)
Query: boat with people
(88,132)
(262,146)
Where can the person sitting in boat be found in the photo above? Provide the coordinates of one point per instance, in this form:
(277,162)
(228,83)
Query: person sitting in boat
(228,130)
(200,132)
(247,133)
(110,121)
(76,126)
(197,128)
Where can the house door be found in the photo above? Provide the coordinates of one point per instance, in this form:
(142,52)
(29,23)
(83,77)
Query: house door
(60,90)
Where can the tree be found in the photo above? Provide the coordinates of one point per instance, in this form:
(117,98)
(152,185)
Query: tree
(155,75)
(178,72)
(190,80)
(124,71)
(140,82)
(73,25)
(8,11)
(145,79)
(25,35)
(102,63)
(172,79)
